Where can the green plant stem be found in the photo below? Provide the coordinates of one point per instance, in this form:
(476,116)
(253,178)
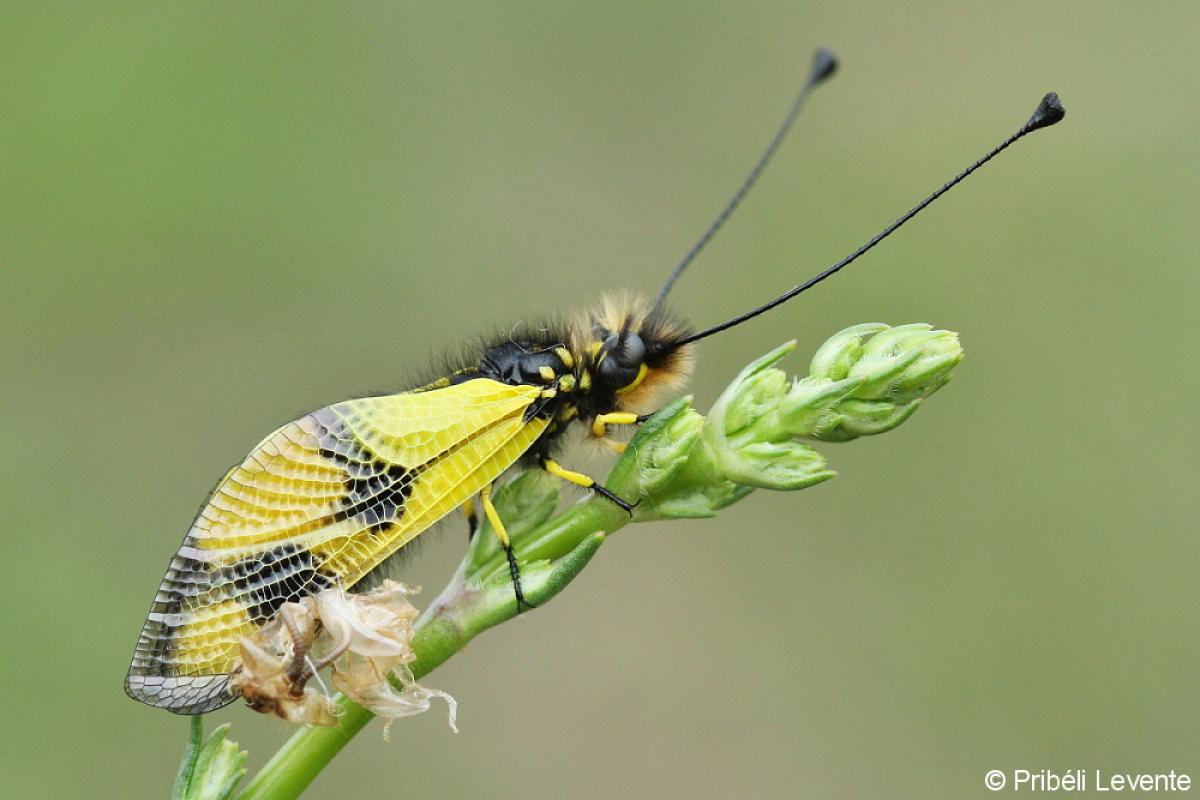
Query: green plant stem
(187,765)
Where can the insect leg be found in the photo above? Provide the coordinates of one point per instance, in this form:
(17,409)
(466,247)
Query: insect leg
(600,427)
(514,572)
(587,482)
(472,519)
(601,422)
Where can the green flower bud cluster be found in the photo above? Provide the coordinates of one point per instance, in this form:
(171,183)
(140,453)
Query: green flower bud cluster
(887,372)
(863,381)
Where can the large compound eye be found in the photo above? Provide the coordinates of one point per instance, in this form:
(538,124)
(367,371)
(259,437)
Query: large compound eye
(634,352)
(623,358)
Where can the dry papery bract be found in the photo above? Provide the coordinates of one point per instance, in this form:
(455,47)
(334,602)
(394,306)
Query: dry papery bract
(364,638)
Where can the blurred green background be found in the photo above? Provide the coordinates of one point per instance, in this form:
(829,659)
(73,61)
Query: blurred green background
(215,219)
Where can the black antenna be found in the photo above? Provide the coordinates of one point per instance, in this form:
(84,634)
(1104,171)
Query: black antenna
(824,65)
(1048,112)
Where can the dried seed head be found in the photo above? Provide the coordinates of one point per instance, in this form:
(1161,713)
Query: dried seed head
(274,671)
(371,634)
(366,638)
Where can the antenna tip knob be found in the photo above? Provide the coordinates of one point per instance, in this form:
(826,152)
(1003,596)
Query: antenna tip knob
(824,64)
(1048,112)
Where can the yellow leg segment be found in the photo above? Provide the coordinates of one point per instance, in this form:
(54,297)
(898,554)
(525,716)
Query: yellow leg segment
(587,482)
(558,471)
(514,571)
(599,425)
(489,510)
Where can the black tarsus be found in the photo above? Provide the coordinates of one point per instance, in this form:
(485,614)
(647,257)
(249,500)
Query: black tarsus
(514,574)
(625,505)
(824,64)
(1048,112)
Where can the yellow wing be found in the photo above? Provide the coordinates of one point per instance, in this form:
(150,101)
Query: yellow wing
(318,503)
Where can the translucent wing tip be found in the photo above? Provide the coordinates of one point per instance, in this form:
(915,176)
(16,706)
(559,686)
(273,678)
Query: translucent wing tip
(186,694)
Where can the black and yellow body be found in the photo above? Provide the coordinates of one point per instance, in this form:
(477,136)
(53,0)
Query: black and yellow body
(327,498)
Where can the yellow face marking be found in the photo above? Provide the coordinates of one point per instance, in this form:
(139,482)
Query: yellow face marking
(547,373)
(594,348)
(585,381)
(567,384)
(641,376)
(564,355)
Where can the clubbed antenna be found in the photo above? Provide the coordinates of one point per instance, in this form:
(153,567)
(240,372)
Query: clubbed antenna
(1048,112)
(824,64)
